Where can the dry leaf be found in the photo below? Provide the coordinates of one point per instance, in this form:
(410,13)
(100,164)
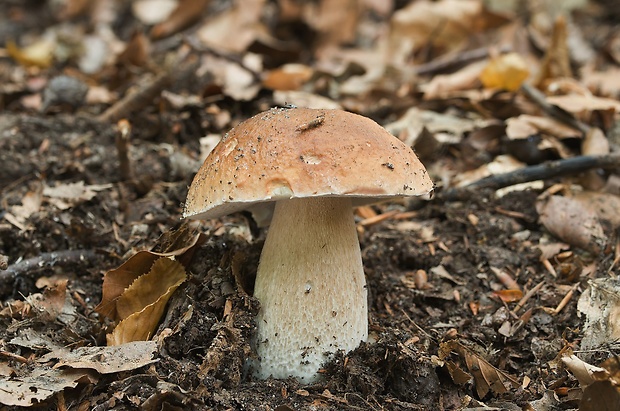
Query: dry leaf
(595,143)
(570,221)
(116,281)
(54,303)
(38,54)
(64,196)
(446,128)
(31,203)
(486,377)
(557,59)
(605,205)
(600,303)
(106,360)
(304,99)
(445,24)
(288,77)
(186,13)
(507,72)
(583,371)
(39,385)
(153,11)
(179,243)
(234,29)
(141,306)
(444,86)
(604,393)
(509,296)
(578,103)
(526,125)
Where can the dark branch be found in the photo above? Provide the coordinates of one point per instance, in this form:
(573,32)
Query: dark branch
(541,171)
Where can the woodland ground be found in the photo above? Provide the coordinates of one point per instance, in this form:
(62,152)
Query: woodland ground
(473,297)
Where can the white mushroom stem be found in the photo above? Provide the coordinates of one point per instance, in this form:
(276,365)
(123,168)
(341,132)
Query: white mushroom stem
(311,287)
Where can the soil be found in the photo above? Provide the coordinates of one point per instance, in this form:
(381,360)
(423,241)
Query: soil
(434,273)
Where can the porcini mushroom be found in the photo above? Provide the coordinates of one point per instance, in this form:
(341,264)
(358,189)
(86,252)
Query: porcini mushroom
(310,167)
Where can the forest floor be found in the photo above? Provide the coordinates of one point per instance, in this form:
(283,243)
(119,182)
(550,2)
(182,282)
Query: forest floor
(496,295)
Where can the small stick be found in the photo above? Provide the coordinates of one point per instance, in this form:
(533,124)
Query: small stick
(122,140)
(311,124)
(541,171)
(446,63)
(15,357)
(29,267)
(536,96)
(527,296)
(378,218)
(565,300)
(138,99)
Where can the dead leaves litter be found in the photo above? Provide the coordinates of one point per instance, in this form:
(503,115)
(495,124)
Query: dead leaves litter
(485,376)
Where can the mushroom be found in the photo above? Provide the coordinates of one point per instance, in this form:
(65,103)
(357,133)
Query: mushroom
(308,168)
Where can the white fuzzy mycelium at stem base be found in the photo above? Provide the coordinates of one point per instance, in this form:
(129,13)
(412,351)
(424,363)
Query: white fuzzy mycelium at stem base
(311,287)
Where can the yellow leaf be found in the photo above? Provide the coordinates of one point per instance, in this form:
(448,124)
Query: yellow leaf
(38,54)
(142,304)
(507,72)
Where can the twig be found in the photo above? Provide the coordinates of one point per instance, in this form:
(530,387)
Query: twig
(445,63)
(123,136)
(565,300)
(527,296)
(536,96)
(541,171)
(138,99)
(30,267)
(13,356)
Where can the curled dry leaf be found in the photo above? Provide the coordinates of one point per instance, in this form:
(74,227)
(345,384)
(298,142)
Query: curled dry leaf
(180,244)
(142,304)
(485,376)
(584,372)
(570,221)
(601,385)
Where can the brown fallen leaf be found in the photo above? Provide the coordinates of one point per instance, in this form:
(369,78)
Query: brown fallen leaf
(179,243)
(288,77)
(106,360)
(595,143)
(38,385)
(234,29)
(605,205)
(142,304)
(186,13)
(557,59)
(570,221)
(485,376)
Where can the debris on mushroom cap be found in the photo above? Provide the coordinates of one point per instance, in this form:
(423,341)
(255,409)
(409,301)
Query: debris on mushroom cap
(299,152)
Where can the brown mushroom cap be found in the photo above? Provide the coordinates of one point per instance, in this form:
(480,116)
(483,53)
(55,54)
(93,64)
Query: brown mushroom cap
(299,152)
